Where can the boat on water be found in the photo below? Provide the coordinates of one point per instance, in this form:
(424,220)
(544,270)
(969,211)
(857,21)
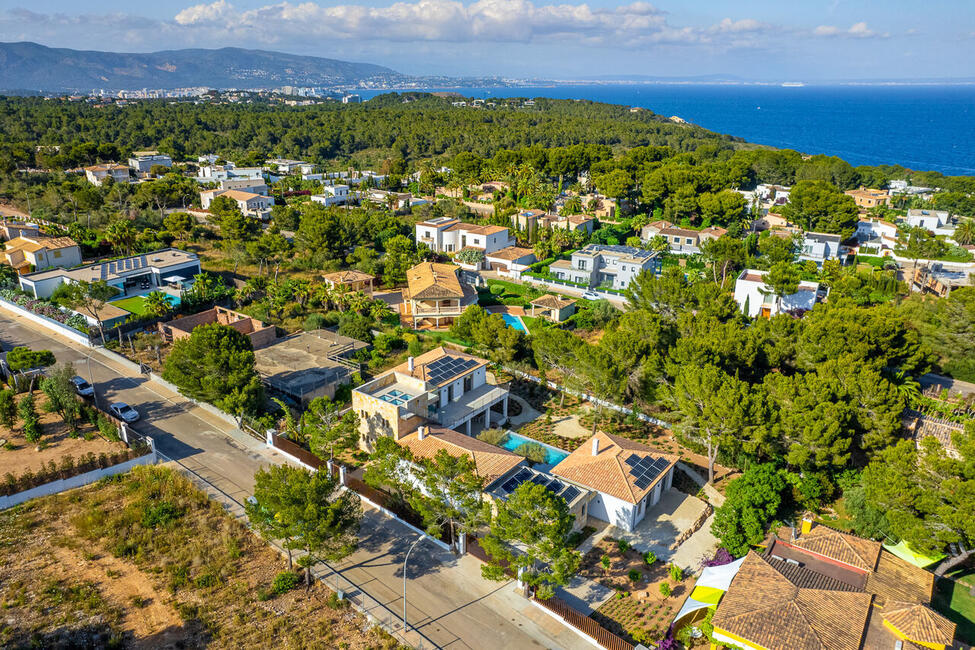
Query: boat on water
(793,84)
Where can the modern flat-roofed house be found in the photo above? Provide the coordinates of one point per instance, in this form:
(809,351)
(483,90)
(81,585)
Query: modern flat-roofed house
(332,195)
(158,268)
(216,173)
(553,307)
(143,161)
(868,229)
(441,387)
(757,299)
(250,204)
(436,295)
(259,332)
(97,174)
(826,590)
(937,221)
(28,253)
(819,247)
(255,185)
(628,477)
(446,235)
(868,198)
(351,280)
(603,265)
(307,365)
(286,165)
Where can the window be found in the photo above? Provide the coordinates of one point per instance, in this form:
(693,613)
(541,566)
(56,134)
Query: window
(676,240)
(690,241)
(582,265)
(57,254)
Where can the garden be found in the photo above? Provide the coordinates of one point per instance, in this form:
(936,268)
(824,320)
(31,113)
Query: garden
(648,592)
(45,308)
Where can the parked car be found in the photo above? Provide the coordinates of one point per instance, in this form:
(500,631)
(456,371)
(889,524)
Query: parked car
(124,412)
(590,295)
(82,387)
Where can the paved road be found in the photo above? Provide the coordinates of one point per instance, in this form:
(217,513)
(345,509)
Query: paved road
(449,602)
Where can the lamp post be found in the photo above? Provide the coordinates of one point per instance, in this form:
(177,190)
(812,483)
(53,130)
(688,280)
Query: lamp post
(91,380)
(407,559)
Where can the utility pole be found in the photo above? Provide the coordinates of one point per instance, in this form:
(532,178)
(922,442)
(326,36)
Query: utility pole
(407,559)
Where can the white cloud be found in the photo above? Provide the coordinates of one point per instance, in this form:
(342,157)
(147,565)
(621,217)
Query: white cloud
(857,30)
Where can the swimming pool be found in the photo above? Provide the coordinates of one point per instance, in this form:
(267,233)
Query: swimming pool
(553,456)
(514,322)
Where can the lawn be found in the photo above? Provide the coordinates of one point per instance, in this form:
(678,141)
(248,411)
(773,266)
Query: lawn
(953,600)
(136,304)
(871,260)
(145,560)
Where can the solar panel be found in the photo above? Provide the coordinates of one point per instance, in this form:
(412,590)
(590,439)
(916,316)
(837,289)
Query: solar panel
(509,485)
(570,494)
(540,480)
(523,474)
(661,464)
(632,460)
(643,482)
(556,486)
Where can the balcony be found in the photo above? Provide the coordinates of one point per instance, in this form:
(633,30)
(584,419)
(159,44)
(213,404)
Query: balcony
(454,413)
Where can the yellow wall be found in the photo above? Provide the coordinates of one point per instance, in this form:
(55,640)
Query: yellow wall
(738,640)
(900,635)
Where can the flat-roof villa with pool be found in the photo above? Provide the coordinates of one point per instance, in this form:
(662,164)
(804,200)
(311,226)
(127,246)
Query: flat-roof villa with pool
(442,399)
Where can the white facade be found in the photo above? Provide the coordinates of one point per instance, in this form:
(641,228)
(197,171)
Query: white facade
(144,163)
(624,515)
(598,265)
(819,247)
(756,299)
(446,235)
(253,185)
(937,221)
(214,173)
(97,174)
(332,195)
(868,229)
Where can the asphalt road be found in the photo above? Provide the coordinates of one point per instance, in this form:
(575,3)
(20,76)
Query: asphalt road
(449,602)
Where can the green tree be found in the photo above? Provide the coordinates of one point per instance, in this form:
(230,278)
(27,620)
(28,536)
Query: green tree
(178,223)
(667,294)
(215,364)
(752,501)
(8,408)
(782,280)
(329,429)
(121,234)
(451,495)
(821,207)
(928,494)
(539,522)
(156,304)
(27,410)
(233,225)
(89,298)
(23,358)
(723,255)
(60,392)
(390,469)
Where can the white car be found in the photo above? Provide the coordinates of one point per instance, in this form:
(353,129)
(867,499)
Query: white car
(82,387)
(124,412)
(590,295)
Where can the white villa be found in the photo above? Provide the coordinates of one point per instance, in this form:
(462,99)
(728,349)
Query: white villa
(597,265)
(756,299)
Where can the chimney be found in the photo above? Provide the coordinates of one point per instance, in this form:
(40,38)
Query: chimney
(595,446)
(806,526)
(421,433)
(409,365)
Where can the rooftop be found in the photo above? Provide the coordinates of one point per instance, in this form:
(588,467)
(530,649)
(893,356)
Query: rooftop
(115,269)
(552,301)
(477,229)
(823,237)
(621,467)
(439,366)
(432,280)
(638,255)
(511,253)
(34,244)
(571,493)
(345,277)
(305,361)
(490,462)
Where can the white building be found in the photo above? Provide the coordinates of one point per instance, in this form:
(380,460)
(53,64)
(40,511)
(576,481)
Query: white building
(288,166)
(613,266)
(208,159)
(682,241)
(143,161)
(249,203)
(937,221)
(756,298)
(819,247)
(446,235)
(332,195)
(254,185)
(215,173)
(97,174)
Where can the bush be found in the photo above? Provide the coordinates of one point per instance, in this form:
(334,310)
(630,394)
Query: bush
(605,561)
(532,451)
(334,602)
(676,573)
(665,590)
(496,289)
(314,322)
(107,428)
(649,558)
(634,575)
(284,582)
(622,545)
(493,436)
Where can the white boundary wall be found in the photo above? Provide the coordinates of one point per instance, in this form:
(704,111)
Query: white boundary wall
(49,323)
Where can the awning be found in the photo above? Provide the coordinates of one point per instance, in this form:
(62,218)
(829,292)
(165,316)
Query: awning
(174,278)
(691,606)
(906,553)
(709,588)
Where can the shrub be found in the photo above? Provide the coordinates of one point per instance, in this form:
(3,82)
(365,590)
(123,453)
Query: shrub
(8,408)
(676,573)
(623,545)
(665,589)
(284,582)
(532,451)
(649,558)
(493,436)
(334,602)
(314,322)
(107,428)
(160,514)
(496,289)
(605,561)
(634,575)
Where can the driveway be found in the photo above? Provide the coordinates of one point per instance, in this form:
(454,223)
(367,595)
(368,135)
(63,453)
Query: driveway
(673,514)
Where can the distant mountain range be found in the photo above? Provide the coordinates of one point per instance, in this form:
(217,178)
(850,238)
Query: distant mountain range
(33,67)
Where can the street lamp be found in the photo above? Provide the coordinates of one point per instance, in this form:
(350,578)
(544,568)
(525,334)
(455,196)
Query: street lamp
(407,559)
(91,380)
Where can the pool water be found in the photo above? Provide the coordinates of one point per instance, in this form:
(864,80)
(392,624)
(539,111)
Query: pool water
(514,322)
(553,456)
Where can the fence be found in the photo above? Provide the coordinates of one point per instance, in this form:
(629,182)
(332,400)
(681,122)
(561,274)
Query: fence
(296,451)
(584,624)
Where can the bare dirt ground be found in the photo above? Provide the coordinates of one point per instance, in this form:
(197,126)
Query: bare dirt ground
(10,210)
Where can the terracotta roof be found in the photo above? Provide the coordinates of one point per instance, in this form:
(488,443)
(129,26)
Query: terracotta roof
(104,168)
(490,462)
(805,578)
(349,276)
(511,253)
(431,280)
(922,426)
(764,608)
(895,579)
(476,229)
(239,195)
(714,231)
(41,243)
(551,301)
(421,362)
(659,225)
(681,232)
(849,549)
(919,623)
(607,472)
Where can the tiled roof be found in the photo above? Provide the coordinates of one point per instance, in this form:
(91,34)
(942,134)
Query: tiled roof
(511,253)
(490,462)
(344,277)
(806,578)
(551,301)
(923,426)
(431,280)
(476,229)
(919,623)
(239,195)
(763,607)
(421,362)
(854,551)
(895,579)
(607,472)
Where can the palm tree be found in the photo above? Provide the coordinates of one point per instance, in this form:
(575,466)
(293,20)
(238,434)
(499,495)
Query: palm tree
(121,235)
(379,310)
(965,232)
(156,304)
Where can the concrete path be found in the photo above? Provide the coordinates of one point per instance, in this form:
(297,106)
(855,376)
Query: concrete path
(663,524)
(451,604)
(527,412)
(568,426)
(697,548)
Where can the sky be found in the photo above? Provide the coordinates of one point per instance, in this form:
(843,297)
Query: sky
(765,40)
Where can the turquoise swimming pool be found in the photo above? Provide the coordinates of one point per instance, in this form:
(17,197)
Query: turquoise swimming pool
(553,456)
(514,322)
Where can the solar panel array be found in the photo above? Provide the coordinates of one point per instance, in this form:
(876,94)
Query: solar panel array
(446,367)
(645,470)
(553,485)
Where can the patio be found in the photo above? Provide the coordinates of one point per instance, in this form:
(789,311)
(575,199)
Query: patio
(663,524)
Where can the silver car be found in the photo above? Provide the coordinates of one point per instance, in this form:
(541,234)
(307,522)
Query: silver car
(124,412)
(82,387)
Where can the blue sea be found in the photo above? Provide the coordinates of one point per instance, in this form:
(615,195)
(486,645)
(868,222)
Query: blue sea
(919,127)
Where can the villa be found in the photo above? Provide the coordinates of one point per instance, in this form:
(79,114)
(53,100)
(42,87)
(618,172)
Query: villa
(819,247)
(553,307)
(250,204)
(682,241)
(510,262)
(350,280)
(98,174)
(258,332)
(332,195)
(869,198)
(144,161)
(435,295)
(756,299)
(446,235)
(130,275)
(937,221)
(490,462)
(27,253)
(602,265)
(441,387)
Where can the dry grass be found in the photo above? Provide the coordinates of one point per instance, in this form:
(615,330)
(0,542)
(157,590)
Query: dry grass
(145,560)
(18,455)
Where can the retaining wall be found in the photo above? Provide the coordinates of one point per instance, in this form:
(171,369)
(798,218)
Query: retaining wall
(49,323)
